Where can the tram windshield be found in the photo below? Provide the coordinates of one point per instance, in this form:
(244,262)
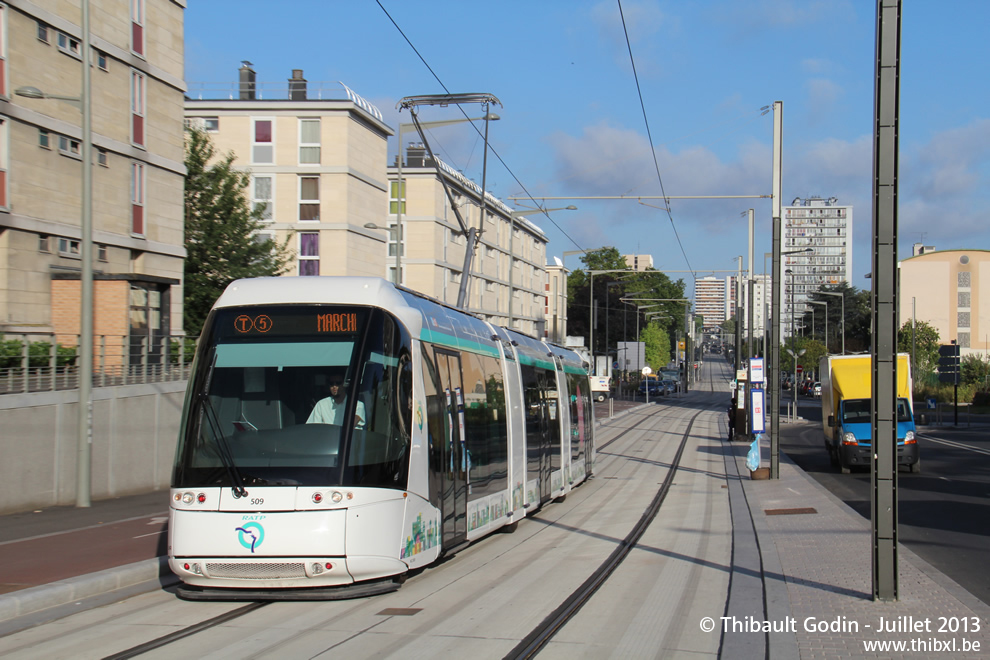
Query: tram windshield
(300,396)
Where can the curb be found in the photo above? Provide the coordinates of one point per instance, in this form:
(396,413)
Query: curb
(150,574)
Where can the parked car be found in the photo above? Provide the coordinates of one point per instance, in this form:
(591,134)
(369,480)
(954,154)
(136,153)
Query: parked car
(816,389)
(655,387)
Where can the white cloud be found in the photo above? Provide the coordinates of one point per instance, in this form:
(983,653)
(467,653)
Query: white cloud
(823,98)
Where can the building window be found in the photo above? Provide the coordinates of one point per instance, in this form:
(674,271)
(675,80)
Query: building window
(137,27)
(138,107)
(44,244)
(309,141)
(309,253)
(101,253)
(962,319)
(102,158)
(69,45)
(137,198)
(309,198)
(396,197)
(3,161)
(262,197)
(3,50)
(963,298)
(68,248)
(211,124)
(391,242)
(44,139)
(262,151)
(102,61)
(69,147)
(43,32)
(962,280)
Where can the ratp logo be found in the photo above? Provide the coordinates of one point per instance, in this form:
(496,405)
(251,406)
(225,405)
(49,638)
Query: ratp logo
(251,535)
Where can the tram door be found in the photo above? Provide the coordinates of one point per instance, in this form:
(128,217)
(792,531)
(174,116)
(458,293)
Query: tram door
(453,504)
(541,412)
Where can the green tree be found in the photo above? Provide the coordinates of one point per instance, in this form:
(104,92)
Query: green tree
(926,342)
(974,369)
(221,230)
(656,346)
(614,295)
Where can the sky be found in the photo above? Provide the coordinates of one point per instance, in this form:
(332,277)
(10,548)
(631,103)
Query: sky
(572,123)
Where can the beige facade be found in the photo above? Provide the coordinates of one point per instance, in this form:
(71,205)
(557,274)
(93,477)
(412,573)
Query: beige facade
(639,262)
(316,153)
(136,95)
(556,310)
(434,247)
(950,290)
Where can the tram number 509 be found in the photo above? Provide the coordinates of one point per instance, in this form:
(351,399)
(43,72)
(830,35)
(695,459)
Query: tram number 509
(257,501)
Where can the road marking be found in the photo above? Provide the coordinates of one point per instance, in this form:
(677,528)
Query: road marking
(161,531)
(72,531)
(957,445)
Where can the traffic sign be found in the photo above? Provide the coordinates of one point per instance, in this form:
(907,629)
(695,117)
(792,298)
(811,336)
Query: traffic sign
(948,363)
(800,368)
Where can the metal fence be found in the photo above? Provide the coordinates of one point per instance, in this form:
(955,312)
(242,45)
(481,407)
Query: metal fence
(40,362)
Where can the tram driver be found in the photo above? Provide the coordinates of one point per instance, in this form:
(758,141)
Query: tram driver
(331,409)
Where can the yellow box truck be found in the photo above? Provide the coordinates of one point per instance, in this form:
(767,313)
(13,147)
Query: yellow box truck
(846,414)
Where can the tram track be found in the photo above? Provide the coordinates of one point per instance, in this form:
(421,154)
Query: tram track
(541,635)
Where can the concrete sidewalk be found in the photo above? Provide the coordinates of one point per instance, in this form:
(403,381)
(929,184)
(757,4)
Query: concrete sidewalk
(816,573)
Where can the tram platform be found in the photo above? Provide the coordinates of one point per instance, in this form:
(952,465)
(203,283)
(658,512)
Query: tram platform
(800,557)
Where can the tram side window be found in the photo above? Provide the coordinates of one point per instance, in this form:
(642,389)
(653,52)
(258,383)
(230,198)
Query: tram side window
(485,421)
(579,393)
(437,423)
(378,453)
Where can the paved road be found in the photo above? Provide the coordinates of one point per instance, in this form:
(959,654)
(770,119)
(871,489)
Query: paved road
(942,512)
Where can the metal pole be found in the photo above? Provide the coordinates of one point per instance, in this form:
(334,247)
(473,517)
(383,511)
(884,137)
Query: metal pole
(591,321)
(884,301)
(512,258)
(749,315)
(778,121)
(85,440)
(398,209)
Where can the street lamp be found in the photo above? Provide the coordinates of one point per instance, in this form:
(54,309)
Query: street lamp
(394,231)
(512,233)
(818,302)
(84,440)
(842,319)
(401,193)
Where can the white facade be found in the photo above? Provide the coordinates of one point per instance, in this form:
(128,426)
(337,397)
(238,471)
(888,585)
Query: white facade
(710,300)
(824,226)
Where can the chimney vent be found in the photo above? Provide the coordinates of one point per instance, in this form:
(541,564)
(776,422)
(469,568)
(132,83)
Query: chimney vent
(297,86)
(247,77)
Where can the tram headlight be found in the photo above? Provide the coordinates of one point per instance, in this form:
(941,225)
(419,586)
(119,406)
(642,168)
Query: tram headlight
(187,498)
(336,497)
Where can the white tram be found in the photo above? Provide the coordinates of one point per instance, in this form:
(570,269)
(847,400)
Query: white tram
(441,429)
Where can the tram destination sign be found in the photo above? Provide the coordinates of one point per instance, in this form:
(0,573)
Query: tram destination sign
(293,321)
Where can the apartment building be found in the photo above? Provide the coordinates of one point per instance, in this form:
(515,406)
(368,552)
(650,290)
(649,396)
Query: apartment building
(824,227)
(136,92)
(950,290)
(510,255)
(639,262)
(316,152)
(710,300)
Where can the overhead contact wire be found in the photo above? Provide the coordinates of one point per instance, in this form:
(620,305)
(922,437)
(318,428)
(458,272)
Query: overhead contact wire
(649,136)
(477,130)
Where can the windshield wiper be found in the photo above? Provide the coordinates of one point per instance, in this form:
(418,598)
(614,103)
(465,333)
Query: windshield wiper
(226,457)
